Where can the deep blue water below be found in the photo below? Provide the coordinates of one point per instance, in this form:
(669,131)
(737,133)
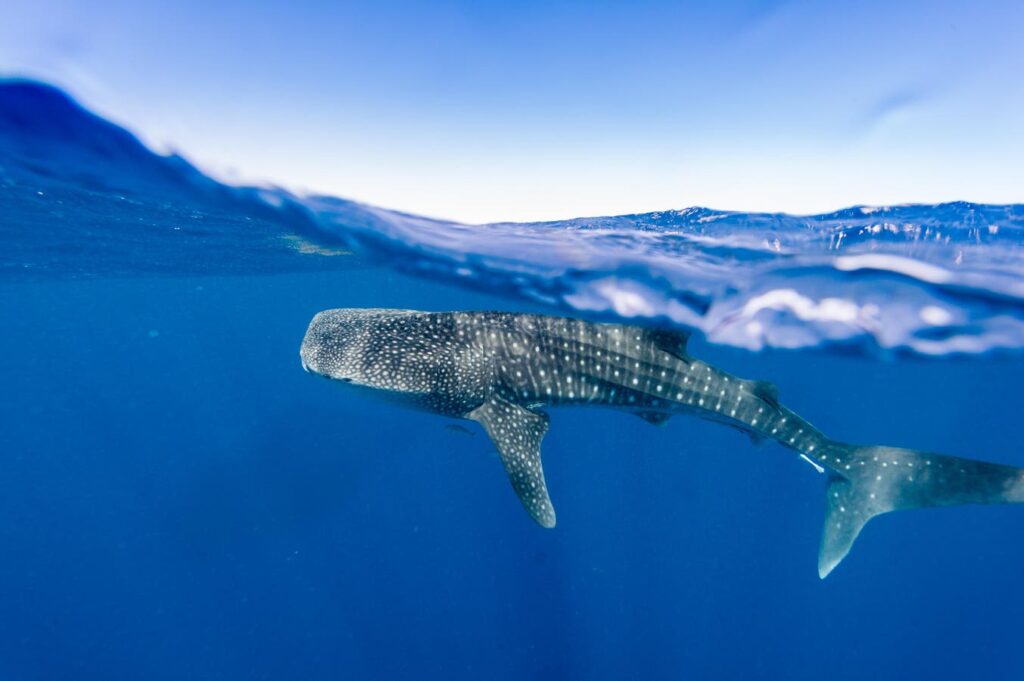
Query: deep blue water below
(181,501)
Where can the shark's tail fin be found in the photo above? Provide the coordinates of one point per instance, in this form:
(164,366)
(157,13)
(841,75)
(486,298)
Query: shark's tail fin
(868,481)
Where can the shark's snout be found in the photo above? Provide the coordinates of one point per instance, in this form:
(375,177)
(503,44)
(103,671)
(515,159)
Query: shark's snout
(308,361)
(328,349)
(309,356)
(310,370)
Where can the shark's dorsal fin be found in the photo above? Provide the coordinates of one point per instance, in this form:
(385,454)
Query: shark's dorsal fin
(672,342)
(766,391)
(658,418)
(517,433)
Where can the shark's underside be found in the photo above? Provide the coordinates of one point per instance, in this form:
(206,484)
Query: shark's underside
(501,369)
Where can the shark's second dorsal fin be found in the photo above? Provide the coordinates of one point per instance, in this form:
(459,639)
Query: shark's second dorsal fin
(766,391)
(517,432)
(672,342)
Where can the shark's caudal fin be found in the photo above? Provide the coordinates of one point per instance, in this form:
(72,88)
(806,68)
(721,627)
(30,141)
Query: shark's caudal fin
(868,481)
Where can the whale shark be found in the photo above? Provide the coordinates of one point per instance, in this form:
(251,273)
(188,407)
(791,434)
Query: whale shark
(502,369)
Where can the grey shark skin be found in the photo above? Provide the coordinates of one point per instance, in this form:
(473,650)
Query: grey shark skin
(500,369)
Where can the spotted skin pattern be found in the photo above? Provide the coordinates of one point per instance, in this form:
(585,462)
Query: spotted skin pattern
(500,369)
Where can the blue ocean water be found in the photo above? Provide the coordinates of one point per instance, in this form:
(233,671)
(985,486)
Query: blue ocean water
(181,500)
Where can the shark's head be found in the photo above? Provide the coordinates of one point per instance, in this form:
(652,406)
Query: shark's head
(346,345)
(412,358)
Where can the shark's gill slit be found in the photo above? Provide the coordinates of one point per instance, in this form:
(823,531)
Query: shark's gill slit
(499,369)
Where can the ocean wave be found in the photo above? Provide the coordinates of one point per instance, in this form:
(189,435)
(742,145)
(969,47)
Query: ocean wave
(927,279)
(935,280)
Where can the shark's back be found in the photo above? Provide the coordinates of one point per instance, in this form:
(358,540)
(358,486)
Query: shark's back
(546,360)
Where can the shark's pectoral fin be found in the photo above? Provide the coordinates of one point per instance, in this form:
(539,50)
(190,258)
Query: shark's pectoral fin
(517,433)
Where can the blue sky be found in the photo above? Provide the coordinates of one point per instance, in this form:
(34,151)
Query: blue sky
(531,110)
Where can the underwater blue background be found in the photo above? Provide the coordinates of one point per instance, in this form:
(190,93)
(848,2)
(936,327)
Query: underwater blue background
(179,500)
